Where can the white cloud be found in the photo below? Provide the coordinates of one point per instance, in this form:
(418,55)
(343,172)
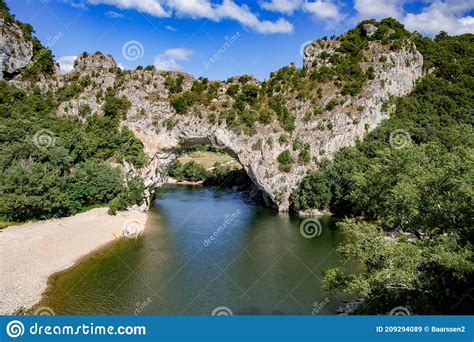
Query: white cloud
(442,16)
(171,28)
(193,8)
(229,9)
(167,64)
(202,9)
(282,6)
(66,63)
(114,15)
(438,15)
(382,9)
(180,54)
(450,15)
(169,59)
(324,9)
(153,7)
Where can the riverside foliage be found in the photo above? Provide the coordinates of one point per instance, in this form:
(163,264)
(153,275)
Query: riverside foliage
(53,167)
(420,185)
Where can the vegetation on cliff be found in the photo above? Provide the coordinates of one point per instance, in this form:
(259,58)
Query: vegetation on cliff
(413,175)
(52,166)
(42,63)
(192,171)
(249,102)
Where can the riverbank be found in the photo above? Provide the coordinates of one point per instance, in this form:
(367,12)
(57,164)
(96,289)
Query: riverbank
(32,252)
(172,180)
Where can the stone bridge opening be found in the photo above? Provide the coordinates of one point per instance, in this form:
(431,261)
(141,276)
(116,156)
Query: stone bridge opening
(170,146)
(199,160)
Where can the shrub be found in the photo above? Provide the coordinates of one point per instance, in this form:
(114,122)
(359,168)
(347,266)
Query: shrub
(115,107)
(304,156)
(233,90)
(285,160)
(179,104)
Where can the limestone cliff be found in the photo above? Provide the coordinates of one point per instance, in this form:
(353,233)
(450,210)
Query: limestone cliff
(322,117)
(16,49)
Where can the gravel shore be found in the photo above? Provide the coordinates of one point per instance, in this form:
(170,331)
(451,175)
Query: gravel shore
(32,252)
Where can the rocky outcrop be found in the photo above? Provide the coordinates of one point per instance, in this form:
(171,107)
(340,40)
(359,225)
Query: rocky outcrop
(16,50)
(339,122)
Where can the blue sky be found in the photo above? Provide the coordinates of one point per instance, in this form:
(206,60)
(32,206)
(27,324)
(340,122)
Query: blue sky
(218,38)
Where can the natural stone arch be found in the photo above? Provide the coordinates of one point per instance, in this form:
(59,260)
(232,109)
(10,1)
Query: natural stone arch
(258,153)
(170,145)
(162,130)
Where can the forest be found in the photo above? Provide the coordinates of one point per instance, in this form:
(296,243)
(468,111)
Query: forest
(53,166)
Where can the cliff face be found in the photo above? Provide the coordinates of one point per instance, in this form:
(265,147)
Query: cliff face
(324,119)
(16,50)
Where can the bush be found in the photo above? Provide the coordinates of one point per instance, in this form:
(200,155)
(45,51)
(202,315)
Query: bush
(174,86)
(285,160)
(233,90)
(179,104)
(115,107)
(190,171)
(305,156)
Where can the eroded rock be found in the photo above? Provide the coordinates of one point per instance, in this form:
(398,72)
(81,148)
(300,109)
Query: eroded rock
(163,132)
(16,51)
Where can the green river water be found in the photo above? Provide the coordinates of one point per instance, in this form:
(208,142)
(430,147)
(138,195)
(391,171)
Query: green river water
(257,264)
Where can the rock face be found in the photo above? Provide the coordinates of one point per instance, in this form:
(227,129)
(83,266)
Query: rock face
(369,29)
(163,131)
(16,51)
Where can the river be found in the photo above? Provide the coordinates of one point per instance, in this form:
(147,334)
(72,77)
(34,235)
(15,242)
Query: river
(204,249)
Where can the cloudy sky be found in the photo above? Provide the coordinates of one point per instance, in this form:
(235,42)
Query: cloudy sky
(219,38)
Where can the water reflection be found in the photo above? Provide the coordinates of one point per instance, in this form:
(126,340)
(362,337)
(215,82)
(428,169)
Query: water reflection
(257,263)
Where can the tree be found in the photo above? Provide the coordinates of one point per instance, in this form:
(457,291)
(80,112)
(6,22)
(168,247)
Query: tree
(426,275)
(420,191)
